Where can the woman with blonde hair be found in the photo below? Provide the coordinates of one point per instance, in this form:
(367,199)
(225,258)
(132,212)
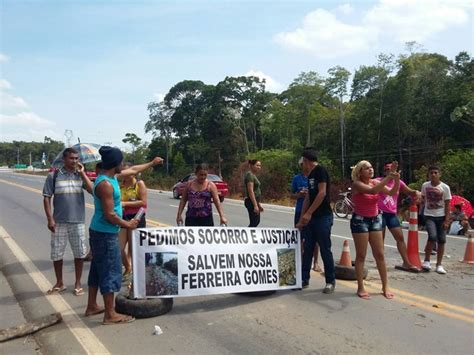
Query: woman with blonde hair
(366,221)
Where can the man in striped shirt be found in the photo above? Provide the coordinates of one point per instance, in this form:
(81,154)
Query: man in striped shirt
(67,222)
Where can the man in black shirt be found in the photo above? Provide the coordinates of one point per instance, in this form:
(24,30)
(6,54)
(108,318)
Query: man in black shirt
(317,215)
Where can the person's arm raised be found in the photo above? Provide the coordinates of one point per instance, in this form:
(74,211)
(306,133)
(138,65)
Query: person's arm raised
(88,185)
(136,169)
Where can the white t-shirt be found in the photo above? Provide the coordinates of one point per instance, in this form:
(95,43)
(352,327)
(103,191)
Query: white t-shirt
(434,197)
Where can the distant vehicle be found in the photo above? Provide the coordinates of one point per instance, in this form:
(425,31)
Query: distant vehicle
(90,174)
(222,187)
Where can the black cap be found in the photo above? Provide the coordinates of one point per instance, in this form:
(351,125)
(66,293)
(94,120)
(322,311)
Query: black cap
(111,157)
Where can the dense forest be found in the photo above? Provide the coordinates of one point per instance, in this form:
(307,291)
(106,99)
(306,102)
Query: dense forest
(416,108)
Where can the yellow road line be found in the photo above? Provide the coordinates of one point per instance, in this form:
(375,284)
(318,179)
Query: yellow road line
(88,205)
(84,335)
(426,303)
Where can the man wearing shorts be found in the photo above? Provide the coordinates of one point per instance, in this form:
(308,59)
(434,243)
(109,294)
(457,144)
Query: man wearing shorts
(388,205)
(105,273)
(67,221)
(436,197)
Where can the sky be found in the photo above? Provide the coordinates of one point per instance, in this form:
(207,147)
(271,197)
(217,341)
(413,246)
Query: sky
(92,67)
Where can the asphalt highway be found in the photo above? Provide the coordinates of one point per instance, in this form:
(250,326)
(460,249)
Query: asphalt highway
(430,313)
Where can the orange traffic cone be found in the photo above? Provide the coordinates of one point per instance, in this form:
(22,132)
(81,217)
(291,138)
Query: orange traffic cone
(346,255)
(469,254)
(412,243)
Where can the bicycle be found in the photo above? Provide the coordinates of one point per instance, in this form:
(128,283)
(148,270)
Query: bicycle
(344,206)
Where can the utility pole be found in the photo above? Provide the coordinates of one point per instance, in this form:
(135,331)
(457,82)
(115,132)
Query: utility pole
(18,155)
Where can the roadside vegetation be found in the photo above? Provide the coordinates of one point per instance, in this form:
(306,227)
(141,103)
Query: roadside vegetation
(417,108)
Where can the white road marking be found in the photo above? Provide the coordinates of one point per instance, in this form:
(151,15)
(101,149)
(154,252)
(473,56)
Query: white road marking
(350,238)
(89,342)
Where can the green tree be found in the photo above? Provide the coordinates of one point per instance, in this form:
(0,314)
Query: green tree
(336,84)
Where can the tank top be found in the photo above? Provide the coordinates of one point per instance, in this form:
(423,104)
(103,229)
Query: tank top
(199,202)
(365,205)
(99,223)
(130,193)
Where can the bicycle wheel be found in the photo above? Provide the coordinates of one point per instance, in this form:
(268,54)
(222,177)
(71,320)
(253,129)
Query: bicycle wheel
(340,209)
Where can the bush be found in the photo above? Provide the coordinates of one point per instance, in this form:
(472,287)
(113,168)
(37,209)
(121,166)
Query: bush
(278,167)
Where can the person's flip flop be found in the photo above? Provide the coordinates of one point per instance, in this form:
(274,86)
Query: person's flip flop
(78,291)
(94,312)
(363,295)
(388,295)
(56,290)
(119,321)
(413,269)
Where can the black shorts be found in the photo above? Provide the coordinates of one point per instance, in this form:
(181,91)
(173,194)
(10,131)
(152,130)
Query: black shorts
(141,224)
(207,221)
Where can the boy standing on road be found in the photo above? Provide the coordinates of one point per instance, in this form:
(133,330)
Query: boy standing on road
(436,197)
(67,221)
(317,215)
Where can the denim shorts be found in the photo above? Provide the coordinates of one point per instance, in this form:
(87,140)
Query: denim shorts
(141,222)
(390,220)
(106,267)
(435,229)
(360,224)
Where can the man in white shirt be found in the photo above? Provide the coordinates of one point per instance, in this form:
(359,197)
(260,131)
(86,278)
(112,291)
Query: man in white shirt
(436,197)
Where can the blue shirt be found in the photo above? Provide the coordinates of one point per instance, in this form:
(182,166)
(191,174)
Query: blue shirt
(299,182)
(99,223)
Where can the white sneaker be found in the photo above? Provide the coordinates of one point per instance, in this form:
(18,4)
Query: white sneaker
(440,269)
(426,265)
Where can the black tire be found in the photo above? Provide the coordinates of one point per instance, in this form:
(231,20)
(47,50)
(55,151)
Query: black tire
(175,194)
(221,198)
(151,307)
(340,209)
(257,293)
(347,273)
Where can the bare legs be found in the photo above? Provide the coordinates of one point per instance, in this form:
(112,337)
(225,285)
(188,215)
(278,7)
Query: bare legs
(361,241)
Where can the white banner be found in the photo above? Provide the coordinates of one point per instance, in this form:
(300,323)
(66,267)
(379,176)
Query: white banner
(193,261)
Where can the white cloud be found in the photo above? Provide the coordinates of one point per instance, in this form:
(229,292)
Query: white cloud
(25,119)
(323,35)
(26,126)
(11,102)
(5,85)
(345,9)
(408,20)
(4,58)
(270,84)
(159,96)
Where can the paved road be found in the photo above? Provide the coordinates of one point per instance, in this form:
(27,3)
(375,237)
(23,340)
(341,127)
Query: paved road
(431,313)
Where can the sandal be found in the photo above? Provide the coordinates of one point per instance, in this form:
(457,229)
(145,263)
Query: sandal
(364,295)
(78,291)
(123,320)
(56,290)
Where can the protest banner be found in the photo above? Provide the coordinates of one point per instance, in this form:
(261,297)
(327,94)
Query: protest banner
(193,261)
